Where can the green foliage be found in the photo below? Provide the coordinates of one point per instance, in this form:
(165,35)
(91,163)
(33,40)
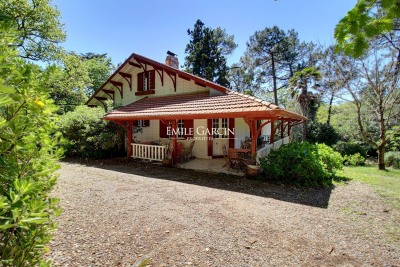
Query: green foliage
(99,68)
(394,142)
(392,159)
(69,88)
(29,150)
(207,51)
(302,164)
(347,148)
(321,133)
(38,28)
(88,136)
(368,19)
(354,160)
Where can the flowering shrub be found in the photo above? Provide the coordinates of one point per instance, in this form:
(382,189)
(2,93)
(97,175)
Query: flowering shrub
(302,164)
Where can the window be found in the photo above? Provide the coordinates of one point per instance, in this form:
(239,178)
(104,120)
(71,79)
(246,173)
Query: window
(181,129)
(184,128)
(146,81)
(215,128)
(220,128)
(142,123)
(224,128)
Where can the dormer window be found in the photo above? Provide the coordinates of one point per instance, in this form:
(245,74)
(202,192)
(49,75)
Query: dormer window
(146,81)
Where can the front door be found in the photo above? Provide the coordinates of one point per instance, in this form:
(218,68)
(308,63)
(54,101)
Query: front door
(220,135)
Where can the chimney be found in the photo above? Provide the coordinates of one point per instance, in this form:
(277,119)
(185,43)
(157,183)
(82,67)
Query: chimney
(172,60)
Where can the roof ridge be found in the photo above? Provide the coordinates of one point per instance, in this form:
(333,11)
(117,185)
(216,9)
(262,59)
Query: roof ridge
(268,104)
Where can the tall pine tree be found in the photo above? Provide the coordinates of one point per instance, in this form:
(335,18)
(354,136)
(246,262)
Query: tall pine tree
(207,51)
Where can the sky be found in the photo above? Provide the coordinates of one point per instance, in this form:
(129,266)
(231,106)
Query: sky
(151,28)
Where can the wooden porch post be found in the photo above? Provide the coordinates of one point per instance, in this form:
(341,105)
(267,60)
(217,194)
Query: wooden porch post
(282,130)
(272,132)
(174,125)
(130,125)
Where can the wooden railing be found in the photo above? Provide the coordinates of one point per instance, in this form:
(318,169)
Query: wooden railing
(150,152)
(263,152)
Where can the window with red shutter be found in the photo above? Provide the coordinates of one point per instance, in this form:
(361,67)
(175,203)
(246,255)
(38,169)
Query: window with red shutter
(139,82)
(189,130)
(152,78)
(163,130)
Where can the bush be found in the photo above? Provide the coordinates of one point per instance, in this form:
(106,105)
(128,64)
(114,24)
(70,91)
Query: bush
(29,150)
(347,148)
(392,159)
(88,135)
(321,133)
(302,164)
(354,160)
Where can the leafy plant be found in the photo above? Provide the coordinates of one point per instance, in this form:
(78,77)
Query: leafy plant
(392,159)
(321,133)
(302,164)
(89,136)
(347,148)
(354,160)
(29,150)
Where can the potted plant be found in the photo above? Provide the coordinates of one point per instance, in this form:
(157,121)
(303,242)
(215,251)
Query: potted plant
(252,169)
(167,161)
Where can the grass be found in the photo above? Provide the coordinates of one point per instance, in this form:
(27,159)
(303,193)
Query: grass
(387,182)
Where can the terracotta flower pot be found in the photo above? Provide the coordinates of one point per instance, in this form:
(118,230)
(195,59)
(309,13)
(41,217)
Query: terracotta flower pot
(167,162)
(252,171)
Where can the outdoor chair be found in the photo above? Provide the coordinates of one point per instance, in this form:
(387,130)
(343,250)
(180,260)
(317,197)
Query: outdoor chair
(235,161)
(225,154)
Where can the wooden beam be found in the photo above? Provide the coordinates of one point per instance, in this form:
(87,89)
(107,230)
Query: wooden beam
(183,77)
(120,87)
(172,74)
(160,72)
(127,77)
(110,93)
(200,84)
(259,116)
(134,64)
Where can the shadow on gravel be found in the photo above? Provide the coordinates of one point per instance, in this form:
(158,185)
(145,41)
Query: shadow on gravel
(315,197)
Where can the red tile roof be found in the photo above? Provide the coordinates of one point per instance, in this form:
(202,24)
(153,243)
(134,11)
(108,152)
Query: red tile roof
(200,105)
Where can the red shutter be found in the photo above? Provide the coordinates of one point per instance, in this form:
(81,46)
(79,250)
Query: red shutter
(139,82)
(152,75)
(146,123)
(163,130)
(189,130)
(210,137)
(231,133)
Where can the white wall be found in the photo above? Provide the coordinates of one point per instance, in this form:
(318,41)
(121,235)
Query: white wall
(182,87)
(241,131)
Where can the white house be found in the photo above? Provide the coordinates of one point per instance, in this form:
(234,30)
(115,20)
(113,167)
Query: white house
(160,97)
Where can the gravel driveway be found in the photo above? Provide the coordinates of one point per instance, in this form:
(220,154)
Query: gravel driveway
(116,214)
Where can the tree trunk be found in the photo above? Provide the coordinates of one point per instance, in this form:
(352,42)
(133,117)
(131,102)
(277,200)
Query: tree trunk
(274,79)
(381,157)
(330,108)
(303,101)
(304,132)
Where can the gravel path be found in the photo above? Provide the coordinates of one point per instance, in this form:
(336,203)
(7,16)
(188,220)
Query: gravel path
(116,213)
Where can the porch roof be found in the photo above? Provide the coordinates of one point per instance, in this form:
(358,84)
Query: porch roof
(201,106)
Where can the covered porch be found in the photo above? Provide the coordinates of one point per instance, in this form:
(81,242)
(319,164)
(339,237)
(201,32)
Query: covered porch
(205,110)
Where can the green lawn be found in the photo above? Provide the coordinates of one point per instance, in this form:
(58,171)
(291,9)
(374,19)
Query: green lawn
(387,183)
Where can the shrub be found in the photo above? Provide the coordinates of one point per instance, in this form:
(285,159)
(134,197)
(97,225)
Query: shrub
(28,158)
(354,160)
(322,133)
(88,135)
(302,164)
(347,148)
(392,159)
